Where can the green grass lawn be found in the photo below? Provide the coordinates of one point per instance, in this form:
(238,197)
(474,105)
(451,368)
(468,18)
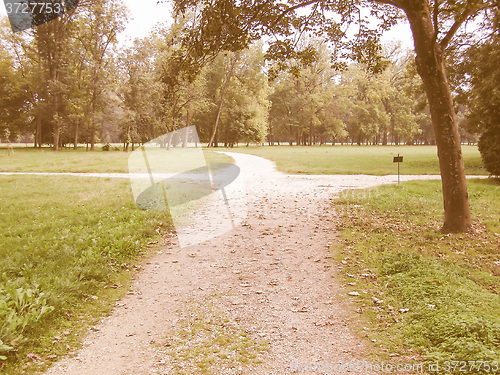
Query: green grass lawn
(67,249)
(46,160)
(373,160)
(424,292)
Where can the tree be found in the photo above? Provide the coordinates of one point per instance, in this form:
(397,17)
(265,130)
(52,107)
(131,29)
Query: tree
(50,39)
(235,104)
(64,64)
(246,104)
(13,97)
(484,100)
(141,93)
(96,31)
(306,104)
(367,93)
(229,69)
(181,96)
(30,69)
(400,99)
(231,25)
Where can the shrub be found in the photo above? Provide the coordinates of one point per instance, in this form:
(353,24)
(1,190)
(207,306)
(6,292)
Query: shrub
(489,147)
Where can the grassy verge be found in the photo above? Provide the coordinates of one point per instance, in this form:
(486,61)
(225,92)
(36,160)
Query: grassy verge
(373,160)
(46,160)
(422,291)
(67,250)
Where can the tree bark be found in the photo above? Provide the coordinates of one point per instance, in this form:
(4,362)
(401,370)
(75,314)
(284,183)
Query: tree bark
(55,108)
(38,133)
(219,111)
(75,140)
(169,141)
(92,123)
(186,131)
(227,78)
(431,68)
(56,129)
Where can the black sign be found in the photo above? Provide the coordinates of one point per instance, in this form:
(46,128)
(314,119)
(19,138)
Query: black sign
(398,159)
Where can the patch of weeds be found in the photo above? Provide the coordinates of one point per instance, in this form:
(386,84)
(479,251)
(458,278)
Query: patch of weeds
(426,294)
(208,341)
(20,308)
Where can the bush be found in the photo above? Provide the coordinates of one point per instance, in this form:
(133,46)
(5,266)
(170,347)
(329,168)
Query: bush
(106,147)
(489,147)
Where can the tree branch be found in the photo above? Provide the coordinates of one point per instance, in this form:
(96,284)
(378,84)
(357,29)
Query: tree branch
(305,26)
(397,3)
(469,9)
(435,19)
(291,9)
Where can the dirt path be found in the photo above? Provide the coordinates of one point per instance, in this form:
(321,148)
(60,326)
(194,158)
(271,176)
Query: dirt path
(270,279)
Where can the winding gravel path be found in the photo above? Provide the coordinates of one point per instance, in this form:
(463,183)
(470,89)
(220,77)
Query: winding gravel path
(272,274)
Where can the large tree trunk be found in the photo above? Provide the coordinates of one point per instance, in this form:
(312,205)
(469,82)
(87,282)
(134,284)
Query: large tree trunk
(431,68)
(169,141)
(92,117)
(56,122)
(214,140)
(55,109)
(75,140)
(92,127)
(186,131)
(38,133)
(92,138)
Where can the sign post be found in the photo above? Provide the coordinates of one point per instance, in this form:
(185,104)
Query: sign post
(398,159)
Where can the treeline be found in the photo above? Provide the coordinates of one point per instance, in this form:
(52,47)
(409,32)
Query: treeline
(66,83)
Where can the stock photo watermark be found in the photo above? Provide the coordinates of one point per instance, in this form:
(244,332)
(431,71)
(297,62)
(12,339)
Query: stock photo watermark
(328,367)
(27,14)
(205,199)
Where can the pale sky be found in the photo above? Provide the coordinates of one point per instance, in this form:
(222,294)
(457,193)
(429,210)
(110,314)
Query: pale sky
(147,13)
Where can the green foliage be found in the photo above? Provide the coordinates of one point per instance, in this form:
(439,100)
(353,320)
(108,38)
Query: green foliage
(230,26)
(20,308)
(307,106)
(64,239)
(433,293)
(12,97)
(320,104)
(152,87)
(147,111)
(484,100)
(235,84)
(63,71)
(489,146)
